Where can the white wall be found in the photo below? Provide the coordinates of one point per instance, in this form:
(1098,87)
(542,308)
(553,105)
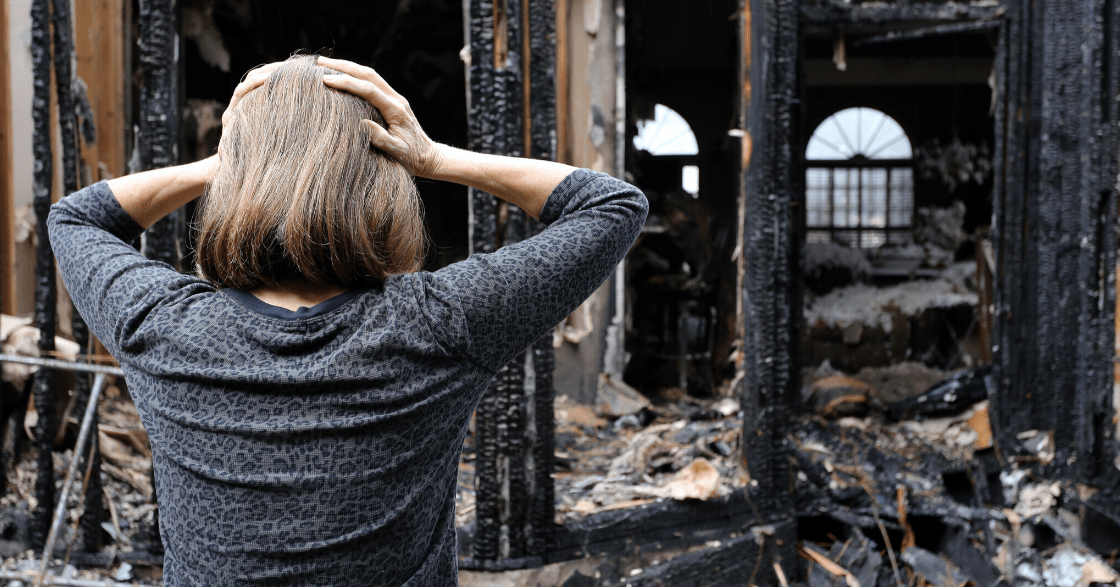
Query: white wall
(19,39)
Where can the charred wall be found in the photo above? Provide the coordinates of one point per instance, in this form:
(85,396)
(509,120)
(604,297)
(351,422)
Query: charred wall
(1055,228)
(771,294)
(512,112)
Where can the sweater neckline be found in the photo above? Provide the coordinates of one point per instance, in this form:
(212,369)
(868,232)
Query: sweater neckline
(253,303)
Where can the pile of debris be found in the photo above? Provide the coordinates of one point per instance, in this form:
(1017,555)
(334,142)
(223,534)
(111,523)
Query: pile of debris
(927,320)
(129,552)
(913,492)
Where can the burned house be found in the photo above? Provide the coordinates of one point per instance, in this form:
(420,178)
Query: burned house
(866,337)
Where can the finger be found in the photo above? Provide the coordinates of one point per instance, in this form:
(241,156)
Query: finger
(361,72)
(253,80)
(390,108)
(380,138)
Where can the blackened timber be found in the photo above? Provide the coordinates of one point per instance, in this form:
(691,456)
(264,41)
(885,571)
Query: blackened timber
(159,113)
(512,112)
(662,521)
(749,559)
(45,287)
(1055,212)
(64,84)
(771,289)
(933,31)
(540,20)
(841,12)
(542,514)
(68,131)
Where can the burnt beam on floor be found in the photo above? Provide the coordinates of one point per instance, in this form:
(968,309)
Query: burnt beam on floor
(1055,211)
(771,247)
(513,112)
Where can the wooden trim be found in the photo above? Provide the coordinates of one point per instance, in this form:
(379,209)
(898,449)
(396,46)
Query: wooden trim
(526,84)
(563,154)
(7,179)
(100,47)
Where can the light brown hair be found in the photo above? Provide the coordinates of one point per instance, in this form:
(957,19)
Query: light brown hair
(300,194)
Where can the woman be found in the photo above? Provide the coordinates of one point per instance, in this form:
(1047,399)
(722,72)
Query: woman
(308,394)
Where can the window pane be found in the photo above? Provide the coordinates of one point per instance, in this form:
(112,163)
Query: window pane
(817,236)
(860,207)
(902,197)
(816,197)
(874,196)
(845,197)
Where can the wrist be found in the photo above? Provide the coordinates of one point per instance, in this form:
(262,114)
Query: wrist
(436,165)
(201,172)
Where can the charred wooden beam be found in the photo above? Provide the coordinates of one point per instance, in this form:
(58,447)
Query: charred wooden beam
(931,31)
(1055,210)
(68,133)
(771,247)
(45,288)
(752,559)
(664,521)
(159,131)
(512,112)
(159,113)
(841,12)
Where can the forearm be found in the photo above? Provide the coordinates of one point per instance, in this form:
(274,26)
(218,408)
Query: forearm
(526,183)
(151,195)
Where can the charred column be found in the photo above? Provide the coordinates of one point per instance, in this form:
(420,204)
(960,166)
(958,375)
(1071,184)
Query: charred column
(771,243)
(512,112)
(159,113)
(68,131)
(159,133)
(1055,213)
(45,288)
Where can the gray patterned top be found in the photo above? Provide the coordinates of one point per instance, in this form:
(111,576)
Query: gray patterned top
(320,447)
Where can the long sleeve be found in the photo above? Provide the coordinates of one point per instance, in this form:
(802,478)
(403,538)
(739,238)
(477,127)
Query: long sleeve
(515,295)
(112,285)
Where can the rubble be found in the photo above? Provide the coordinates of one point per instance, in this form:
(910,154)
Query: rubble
(126,484)
(826,266)
(930,321)
(876,307)
(950,396)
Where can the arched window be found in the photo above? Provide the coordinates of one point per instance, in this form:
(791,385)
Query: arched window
(859,180)
(669,134)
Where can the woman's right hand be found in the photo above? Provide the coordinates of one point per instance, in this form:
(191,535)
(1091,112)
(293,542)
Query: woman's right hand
(402,138)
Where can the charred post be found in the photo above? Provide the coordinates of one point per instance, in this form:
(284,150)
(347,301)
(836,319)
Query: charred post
(68,127)
(159,113)
(512,112)
(45,288)
(771,244)
(1055,229)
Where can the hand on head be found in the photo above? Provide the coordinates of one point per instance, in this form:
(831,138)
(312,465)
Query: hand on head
(252,80)
(402,138)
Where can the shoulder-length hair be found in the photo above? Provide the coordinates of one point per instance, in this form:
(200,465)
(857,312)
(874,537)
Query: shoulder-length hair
(300,194)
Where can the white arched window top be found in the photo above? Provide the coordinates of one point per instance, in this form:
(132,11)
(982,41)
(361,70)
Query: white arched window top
(666,134)
(858,132)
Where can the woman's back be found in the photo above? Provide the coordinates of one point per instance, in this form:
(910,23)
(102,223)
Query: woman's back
(321,446)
